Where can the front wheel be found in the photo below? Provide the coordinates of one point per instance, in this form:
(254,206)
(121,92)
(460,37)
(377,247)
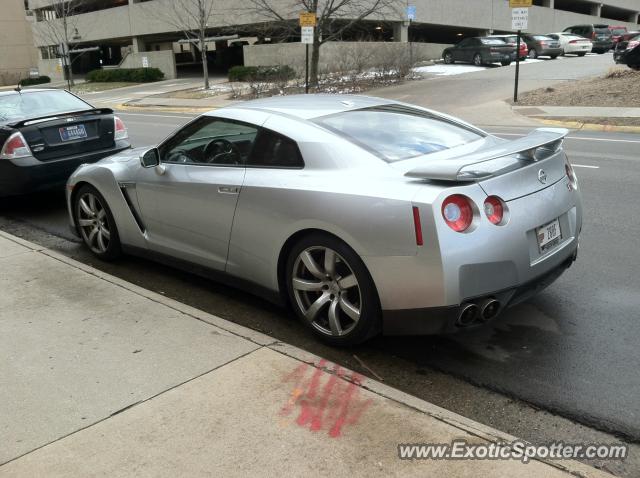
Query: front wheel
(331,291)
(477,59)
(533,54)
(448,58)
(95,223)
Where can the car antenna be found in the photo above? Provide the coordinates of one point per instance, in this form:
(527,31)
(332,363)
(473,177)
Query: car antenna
(18,87)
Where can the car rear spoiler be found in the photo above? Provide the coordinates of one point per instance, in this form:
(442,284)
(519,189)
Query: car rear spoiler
(547,139)
(51,117)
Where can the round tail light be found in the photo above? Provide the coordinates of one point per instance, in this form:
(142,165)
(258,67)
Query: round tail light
(494,209)
(457,212)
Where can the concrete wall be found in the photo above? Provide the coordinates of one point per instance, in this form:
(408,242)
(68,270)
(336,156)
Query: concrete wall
(337,56)
(51,68)
(164,60)
(17,53)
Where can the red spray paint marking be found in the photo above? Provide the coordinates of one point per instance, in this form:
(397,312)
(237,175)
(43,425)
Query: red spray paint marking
(325,400)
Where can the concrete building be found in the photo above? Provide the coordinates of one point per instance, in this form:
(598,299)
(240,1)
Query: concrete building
(131,33)
(17,52)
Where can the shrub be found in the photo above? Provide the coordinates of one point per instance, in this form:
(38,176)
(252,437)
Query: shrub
(133,75)
(262,73)
(35,81)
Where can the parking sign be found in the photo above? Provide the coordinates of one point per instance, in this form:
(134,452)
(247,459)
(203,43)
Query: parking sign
(519,18)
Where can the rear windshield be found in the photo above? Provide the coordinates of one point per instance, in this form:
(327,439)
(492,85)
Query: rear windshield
(492,41)
(619,31)
(603,30)
(32,104)
(540,37)
(394,133)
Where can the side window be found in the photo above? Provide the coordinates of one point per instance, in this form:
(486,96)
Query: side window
(465,42)
(210,140)
(272,150)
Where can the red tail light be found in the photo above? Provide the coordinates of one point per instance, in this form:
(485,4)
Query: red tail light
(120,131)
(417,226)
(15,147)
(457,212)
(571,174)
(494,209)
(632,44)
(573,42)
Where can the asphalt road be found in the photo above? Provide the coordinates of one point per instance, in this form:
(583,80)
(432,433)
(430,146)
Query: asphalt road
(571,351)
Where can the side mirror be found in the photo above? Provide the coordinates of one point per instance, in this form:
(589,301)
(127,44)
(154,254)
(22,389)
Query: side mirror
(150,158)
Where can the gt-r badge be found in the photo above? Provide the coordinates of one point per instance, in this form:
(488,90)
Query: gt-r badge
(542,176)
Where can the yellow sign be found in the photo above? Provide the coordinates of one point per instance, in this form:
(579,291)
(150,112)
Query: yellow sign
(307,19)
(520,3)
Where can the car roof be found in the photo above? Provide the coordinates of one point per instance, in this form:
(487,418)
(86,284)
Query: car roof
(30,90)
(310,106)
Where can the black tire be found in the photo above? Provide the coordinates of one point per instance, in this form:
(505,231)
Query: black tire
(505,63)
(448,58)
(477,59)
(533,54)
(635,67)
(103,247)
(361,297)
(582,53)
(553,57)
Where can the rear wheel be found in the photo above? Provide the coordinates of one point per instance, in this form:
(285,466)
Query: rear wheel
(553,57)
(95,223)
(448,58)
(331,290)
(582,53)
(477,59)
(533,54)
(505,63)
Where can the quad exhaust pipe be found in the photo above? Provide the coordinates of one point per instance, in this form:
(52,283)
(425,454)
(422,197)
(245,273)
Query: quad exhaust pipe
(484,311)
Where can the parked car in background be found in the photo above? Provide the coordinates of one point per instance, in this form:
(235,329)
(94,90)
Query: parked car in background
(622,44)
(513,41)
(542,45)
(600,36)
(446,226)
(45,134)
(617,31)
(480,51)
(628,53)
(572,44)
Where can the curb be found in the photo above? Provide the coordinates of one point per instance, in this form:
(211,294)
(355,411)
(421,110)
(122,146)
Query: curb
(464,424)
(173,109)
(585,126)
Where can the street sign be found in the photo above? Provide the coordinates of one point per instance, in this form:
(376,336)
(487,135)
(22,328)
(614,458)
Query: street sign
(145,62)
(519,18)
(306,35)
(411,12)
(520,3)
(307,19)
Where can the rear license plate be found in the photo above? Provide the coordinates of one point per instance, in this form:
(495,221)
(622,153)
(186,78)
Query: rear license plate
(69,133)
(549,236)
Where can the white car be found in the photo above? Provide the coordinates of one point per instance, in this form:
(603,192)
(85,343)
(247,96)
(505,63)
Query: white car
(574,44)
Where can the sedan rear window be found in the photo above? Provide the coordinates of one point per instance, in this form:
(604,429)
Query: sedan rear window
(395,132)
(540,37)
(492,41)
(619,31)
(33,104)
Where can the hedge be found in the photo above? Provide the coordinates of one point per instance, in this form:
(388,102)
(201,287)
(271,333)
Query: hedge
(35,81)
(132,75)
(261,73)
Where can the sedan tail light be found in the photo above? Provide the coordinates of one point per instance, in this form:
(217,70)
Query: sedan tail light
(417,226)
(632,44)
(571,174)
(573,42)
(457,211)
(15,147)
(494,208)
(120,130)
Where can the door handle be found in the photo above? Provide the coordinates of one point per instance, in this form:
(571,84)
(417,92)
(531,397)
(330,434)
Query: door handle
(228,189)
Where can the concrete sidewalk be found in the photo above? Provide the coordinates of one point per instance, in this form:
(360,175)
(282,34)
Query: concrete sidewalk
(104,378)
(577,111)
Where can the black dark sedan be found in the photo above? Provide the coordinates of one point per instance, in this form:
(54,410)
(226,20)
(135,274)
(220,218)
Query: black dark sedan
(627,51)
(45,134)
(480,51)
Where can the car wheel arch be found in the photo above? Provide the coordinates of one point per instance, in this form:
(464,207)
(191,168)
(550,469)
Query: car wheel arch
(288,245)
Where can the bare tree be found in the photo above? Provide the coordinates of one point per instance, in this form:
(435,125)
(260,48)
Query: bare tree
(192,17)
(334,17)
(58,26)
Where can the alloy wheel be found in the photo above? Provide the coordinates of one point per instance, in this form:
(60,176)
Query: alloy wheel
(327,291)
(93,223)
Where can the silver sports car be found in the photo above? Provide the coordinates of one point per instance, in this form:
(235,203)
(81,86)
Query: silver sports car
(362,214)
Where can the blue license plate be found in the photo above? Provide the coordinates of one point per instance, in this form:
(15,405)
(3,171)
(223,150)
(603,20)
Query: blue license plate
(69,133)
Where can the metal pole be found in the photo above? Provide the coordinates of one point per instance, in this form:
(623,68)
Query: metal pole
(515,88)
(306,68)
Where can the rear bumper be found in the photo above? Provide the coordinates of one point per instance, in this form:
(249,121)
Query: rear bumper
(550,52)
(443,320)
(27,175)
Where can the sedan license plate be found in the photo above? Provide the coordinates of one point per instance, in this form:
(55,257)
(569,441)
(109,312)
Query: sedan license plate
(549,235)
(69,133)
